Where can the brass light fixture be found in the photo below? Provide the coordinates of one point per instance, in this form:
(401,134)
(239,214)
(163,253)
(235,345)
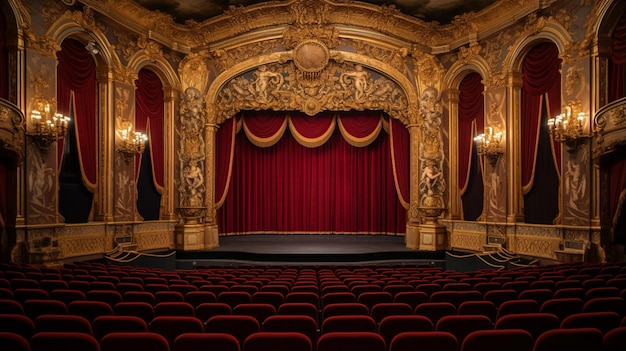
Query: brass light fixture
(490,145)
(132,143)
(567,129)
(47,125)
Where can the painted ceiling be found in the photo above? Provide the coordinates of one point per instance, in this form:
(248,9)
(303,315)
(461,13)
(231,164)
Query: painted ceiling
(441,11)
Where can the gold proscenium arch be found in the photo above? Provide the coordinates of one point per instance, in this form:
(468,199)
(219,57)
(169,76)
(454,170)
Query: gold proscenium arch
(311,79)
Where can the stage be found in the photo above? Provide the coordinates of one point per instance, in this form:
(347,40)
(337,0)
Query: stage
(308,249)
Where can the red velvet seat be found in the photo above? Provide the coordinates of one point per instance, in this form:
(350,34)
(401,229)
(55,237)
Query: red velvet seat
(277,341)
(63,341)
(483,308)
(435,310)
(206,341)
(173,326)
(292,323)
(90,309)
(517,306)
(18,324)
(348,323)
(382,310)
(238,326)
(342,341)
(498,340)
(104,325)
(129,341)
(13,342)
(260,311)
(603,321)
(534,323)
(63,323)
(462,325)
(614,340)
(427,341)
(391,326)
(569,339)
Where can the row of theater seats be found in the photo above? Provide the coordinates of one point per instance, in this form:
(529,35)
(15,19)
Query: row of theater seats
(395,333)
(351,299)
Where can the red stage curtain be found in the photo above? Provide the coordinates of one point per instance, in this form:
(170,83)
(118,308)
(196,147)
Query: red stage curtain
(76,84)
(4,58)
(471,111)
(541,79)
(265,129)
(224,151)
(400,155)
(290,188)
(360,129)
(617,64)
(312,131)
(149,119)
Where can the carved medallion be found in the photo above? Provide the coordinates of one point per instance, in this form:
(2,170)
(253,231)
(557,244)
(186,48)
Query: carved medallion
(311,56)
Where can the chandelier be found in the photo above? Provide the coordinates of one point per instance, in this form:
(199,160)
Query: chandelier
(568,129)
(132,143)
(47,125)
(490,145)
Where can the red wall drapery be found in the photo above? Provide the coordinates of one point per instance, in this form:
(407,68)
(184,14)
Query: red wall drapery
(471,111)
(617,64)
(4,58)
(149,120)
(541,80)
(292,187)
(76,84)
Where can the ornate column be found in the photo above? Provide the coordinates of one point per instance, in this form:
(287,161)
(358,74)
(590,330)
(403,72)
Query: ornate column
(211,239)
(106,146)
(456,207)
(189,232)
(167,201)
(411,237)
(515,198)
(432,183)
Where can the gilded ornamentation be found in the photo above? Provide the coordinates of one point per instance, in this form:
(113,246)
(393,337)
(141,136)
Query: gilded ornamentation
(309,12)
(85,19)
(41,188)
(12,129)
(394,58)
(468,53)
(50,12)
(42,45)
(239,19)
(222,59)
(338,87)
(296,35)
(432,182)
(617,116)
(150,47)
(572,80)
(192,154)
(194,72)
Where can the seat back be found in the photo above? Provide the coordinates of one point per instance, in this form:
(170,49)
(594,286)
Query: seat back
(286,323)
(104,325)
(569,339)
(496,340)
(206,341)
(391,326)
(341,341)
(461,325)
(238,326)
(427,341)
(603,321)
(63,323)
(173,326)
(129,341)
(63,341)
(348,323)
(277,341)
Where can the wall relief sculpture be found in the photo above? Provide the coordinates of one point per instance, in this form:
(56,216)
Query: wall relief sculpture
(191,155)
(311,79)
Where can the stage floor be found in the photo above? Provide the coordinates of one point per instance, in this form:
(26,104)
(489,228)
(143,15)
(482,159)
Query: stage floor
(307,249)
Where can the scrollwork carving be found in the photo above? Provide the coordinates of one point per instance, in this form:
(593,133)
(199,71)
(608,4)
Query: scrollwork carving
(338,87)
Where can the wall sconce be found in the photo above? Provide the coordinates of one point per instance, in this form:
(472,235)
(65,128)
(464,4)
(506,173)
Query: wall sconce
(47,125)
(132,143)
(568,129)
(490,145)
(92,47)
